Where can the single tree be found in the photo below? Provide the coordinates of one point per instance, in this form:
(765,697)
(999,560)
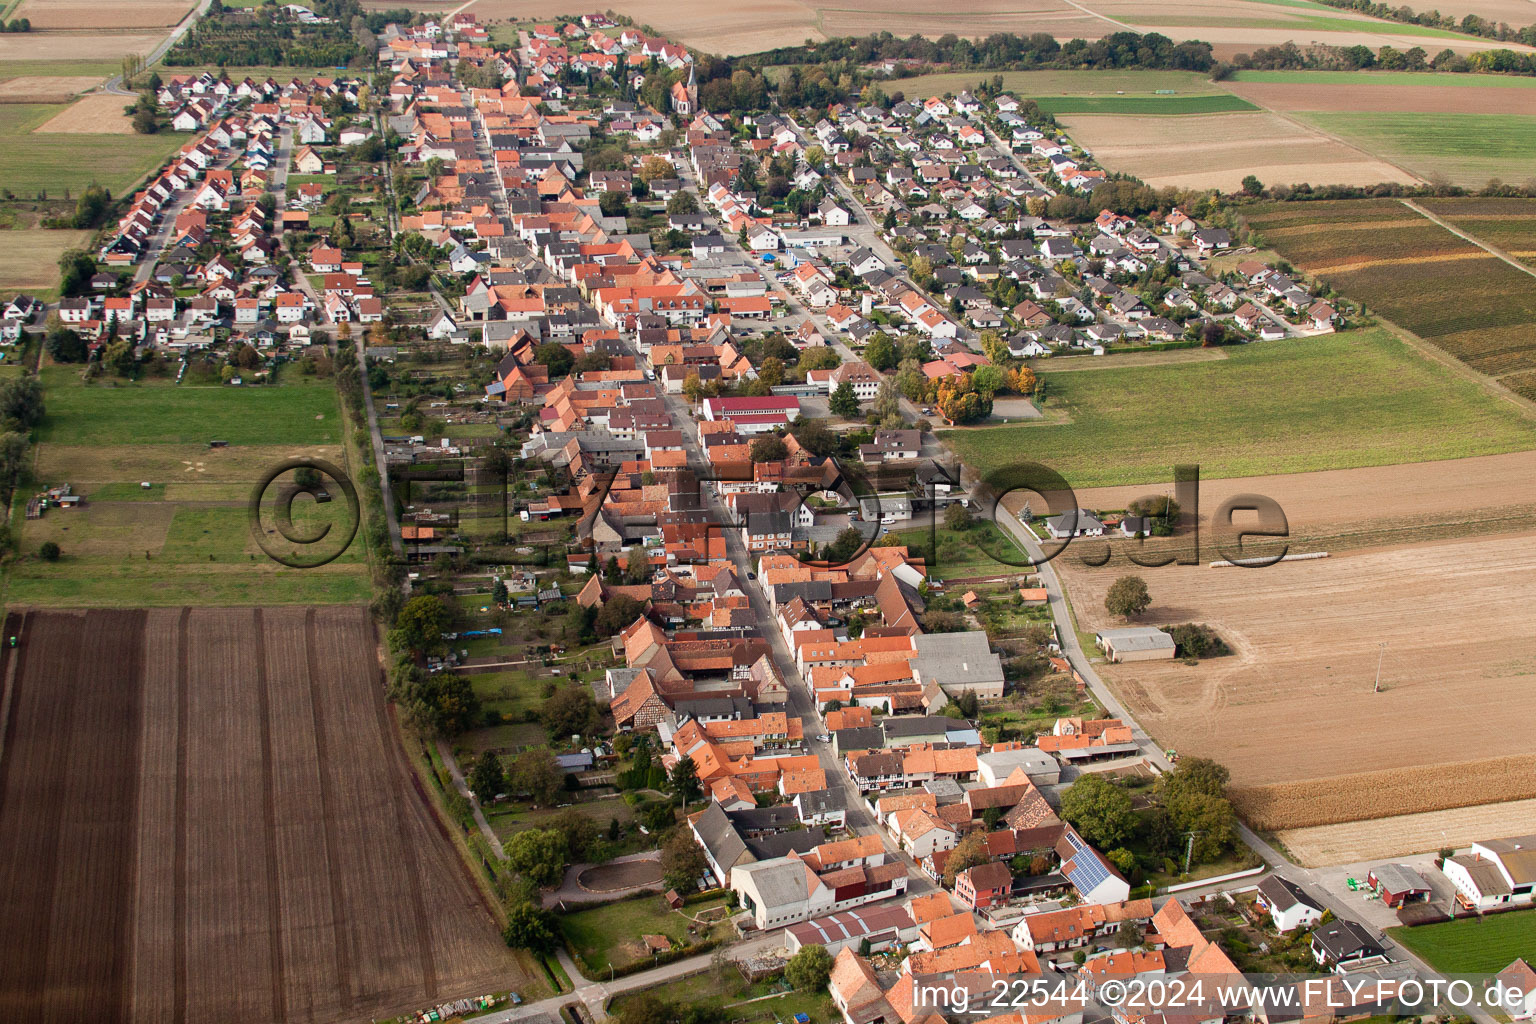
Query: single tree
(814,436)
(880,352)
(771,372)
(538,854)
(971,851)
(537,773)
(682,861)
(421,624)
(486,779)
(555,357)
(1127,597)
(809,969)
(849,542)
(49,551)
(1100,810)
(637,565)
(619,613)
(532,928)
(581,833)
(684,780)
(570,711)
(844,402)
(768,448)
(957,517)
(21,402)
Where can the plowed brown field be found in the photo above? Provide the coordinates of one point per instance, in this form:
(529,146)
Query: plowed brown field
(204,817)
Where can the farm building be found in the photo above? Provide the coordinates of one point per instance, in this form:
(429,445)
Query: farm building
(1135,643)
(1494,872)
(1288,904)
(994,768)
(958,662)
(883,927)
(1398,884)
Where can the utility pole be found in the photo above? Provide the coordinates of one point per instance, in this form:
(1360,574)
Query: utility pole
(1380,654)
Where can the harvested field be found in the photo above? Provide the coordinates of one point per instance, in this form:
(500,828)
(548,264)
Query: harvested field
(1295,701)
(1231,25)
(75,46)
(1219,150)
(91,115)
(206,817)
(1382,838)
(29,259)
(723,29)
(93,15)
(1376,505)
(976,18)
(45,88)
(1364,98)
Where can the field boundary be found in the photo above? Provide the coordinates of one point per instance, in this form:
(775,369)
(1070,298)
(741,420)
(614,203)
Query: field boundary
(1491,250)
(1333,800)
(1324,133)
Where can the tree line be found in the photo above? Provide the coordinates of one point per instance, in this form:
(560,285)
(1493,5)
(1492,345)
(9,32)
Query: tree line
(1323,57)
(1472,24)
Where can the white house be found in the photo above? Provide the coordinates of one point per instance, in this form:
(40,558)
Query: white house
(1518,985)
(1077,523)
(1288,904)
(833,215)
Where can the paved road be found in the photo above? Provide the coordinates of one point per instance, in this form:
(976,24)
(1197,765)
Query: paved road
(1067,629)
(595,995)
(167,224)
(860,820)
(1273,858)
(115,83)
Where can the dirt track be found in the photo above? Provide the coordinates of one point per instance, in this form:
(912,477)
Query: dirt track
(204,817)
(1377,503)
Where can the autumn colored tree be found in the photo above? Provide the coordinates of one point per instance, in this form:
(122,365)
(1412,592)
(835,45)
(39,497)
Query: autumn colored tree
(1022,381)
(971,851)
(960,402)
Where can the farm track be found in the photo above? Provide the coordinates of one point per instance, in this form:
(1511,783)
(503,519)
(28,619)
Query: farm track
(1492,250)
(206,813)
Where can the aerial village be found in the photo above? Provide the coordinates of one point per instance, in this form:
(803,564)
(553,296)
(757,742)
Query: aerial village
(689,359)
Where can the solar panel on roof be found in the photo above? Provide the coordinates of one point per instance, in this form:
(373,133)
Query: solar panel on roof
(1088,872)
